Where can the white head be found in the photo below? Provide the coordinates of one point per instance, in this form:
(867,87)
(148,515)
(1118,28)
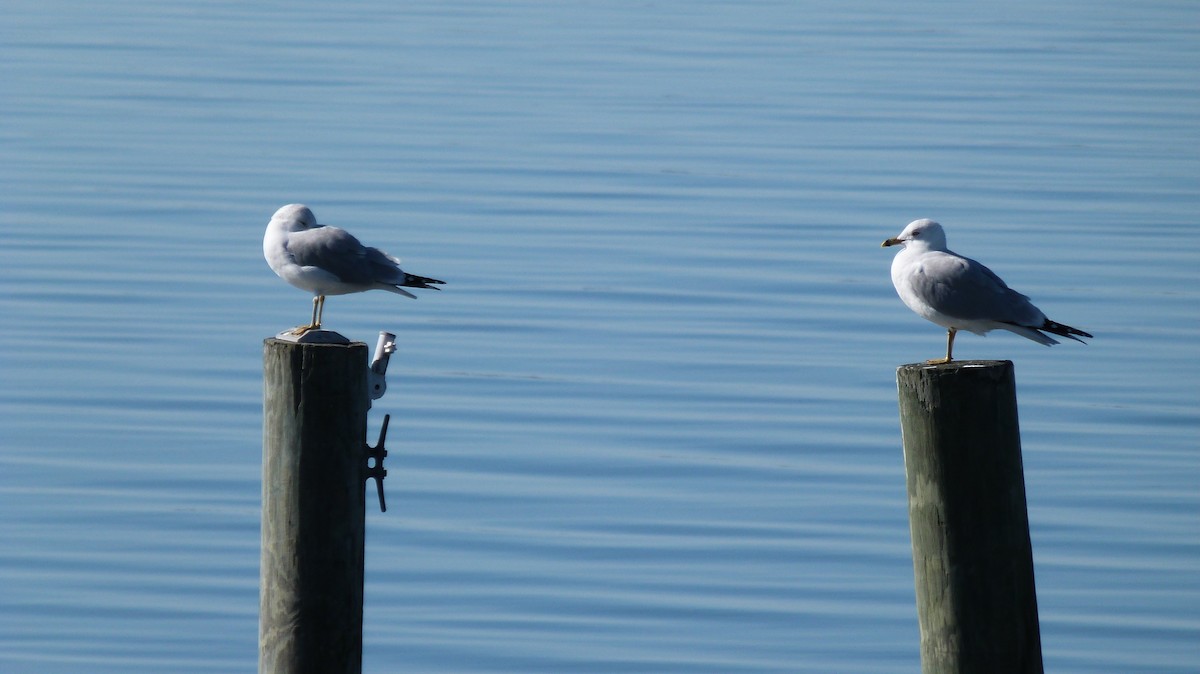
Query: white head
(922,234)
(294,218)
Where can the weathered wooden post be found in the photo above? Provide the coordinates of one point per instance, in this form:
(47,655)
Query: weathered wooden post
(315,403)
(972,557)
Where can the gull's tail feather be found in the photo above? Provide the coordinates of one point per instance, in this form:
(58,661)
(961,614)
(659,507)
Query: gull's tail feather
(1064,331)
(1037,334)
(1030,333)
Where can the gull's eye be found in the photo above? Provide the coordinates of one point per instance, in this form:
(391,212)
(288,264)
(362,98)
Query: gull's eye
(916,232)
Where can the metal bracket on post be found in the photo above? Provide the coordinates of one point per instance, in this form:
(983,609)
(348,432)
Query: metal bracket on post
(376,375)
(375,456)
(377,386)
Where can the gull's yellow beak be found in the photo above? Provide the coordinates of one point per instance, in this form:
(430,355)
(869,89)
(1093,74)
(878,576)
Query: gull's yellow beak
(891,242)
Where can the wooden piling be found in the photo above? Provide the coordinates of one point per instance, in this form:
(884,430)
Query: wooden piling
(972,557)
(314,434)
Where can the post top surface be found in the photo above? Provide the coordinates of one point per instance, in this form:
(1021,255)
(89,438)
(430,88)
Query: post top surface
(313,337)
(956,365)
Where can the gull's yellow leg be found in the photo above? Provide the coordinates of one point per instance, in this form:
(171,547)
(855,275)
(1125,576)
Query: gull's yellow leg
(318,309)
(949,348)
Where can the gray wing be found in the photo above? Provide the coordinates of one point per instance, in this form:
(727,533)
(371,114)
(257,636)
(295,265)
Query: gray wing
(963,288)
(338,252)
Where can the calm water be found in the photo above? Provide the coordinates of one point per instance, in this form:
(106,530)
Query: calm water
(650,425)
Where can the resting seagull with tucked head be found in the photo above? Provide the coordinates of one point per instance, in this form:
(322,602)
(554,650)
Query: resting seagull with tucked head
(959,293)
(330,261)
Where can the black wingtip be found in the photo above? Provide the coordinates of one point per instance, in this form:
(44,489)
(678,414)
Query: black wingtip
(1065,331)
(414,281)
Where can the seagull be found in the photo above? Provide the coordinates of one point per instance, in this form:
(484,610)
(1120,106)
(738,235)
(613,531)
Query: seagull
(959,293)
(330,261)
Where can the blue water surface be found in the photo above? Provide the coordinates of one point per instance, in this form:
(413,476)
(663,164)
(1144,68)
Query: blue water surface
(650,425)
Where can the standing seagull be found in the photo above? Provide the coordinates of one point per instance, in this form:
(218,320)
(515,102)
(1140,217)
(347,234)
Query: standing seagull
(958,293)
(330,261)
